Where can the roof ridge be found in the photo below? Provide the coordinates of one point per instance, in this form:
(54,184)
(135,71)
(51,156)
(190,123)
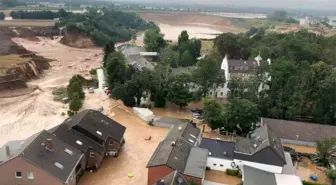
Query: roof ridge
(173,180)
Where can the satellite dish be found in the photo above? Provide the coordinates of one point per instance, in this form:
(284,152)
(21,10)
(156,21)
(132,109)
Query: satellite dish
(179,180)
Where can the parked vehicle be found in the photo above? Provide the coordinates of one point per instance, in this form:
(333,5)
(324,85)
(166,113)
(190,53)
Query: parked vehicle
(199,111)
(91,90)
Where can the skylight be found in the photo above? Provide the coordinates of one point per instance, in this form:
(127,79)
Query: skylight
(193,136)
(98,132)
(58,165)
(68,151)
(190,140)
(79,142)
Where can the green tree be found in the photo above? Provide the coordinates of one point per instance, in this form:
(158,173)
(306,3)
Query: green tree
(75,104)
(154,40)
(240,114)
(171,57)
(108,49)
(178,91)
(235,46)
(75,88)
(187,59)
(119,91)
(213,113)
(116,69)
(207,75)
(183,37)
(325,149)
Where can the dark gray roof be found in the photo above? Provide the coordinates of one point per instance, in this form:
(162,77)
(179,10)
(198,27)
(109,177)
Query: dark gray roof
(262,138)
(37,154)
(173,155)
(77,139)
(180,156)
(309,132)
(185,131)
(169,120)
(196,162)
(97,124)
(253,176)
(174,178)
(218,148)
(244,66)
(133,57)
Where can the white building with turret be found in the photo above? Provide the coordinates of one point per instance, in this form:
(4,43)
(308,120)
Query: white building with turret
(238,68)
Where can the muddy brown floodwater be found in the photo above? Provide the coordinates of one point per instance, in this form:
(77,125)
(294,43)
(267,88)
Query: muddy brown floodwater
(22,116)
(134,155)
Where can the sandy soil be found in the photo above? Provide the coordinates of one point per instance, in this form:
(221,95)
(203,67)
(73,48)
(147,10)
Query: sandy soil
(306,168)
(134,155)
(24,115)
(197,25)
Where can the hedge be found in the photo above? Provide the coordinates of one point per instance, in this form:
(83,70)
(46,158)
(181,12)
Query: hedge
(311,183)
(232,172)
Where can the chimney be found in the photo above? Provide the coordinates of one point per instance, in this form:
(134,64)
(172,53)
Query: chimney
(7,151)
(161,182)
(50,145)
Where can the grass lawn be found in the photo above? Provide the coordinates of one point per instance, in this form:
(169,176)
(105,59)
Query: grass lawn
(206,46)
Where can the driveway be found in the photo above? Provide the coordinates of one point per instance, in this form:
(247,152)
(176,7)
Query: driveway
(134,155)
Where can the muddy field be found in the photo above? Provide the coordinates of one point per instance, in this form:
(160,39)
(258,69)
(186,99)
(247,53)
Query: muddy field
(198,25)
(27,22)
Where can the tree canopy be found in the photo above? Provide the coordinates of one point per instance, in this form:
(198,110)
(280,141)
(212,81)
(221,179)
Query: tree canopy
(106,25)
(45,14)
(154,40)
(2,16)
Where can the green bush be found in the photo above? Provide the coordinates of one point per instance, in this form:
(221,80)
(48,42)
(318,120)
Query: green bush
(60,94)
(232,172)
(311,183)
(331,174)
(93,72)
(70,113)
(75,104)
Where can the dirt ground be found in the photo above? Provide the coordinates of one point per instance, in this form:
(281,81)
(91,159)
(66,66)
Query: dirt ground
(22,116)
(306,168)
(134,155)
(221,177)
(198,25)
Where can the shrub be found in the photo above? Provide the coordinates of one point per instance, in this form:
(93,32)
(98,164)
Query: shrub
(75,104)
(311,183)
(60,94)
(232,172)
(207,168)
(93,72)
(129,101)
(240,183)
(70,113)
(331,174)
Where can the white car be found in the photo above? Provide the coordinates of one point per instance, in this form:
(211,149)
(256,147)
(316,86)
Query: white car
(91,90)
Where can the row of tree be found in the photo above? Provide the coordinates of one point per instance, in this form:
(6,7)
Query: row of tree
(76,94)
(2,16)
(300,46)
(104,25)
(45,14)
(182,54)
(160,84)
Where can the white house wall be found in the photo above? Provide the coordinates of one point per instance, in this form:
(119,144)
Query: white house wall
(219,164)
(265,167)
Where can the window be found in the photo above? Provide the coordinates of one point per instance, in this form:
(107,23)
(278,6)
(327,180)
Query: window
(210,93)
(193,136)
(68,151)
(236,67)
(221,93)
(79,142)
(221,165)
(30,175)
(98,132)
(60,166)
(191,141)
(92,154)
(215,164)
(18,175)
(110,142)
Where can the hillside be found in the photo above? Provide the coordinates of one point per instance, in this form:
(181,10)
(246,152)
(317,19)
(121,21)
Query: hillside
(105,25)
